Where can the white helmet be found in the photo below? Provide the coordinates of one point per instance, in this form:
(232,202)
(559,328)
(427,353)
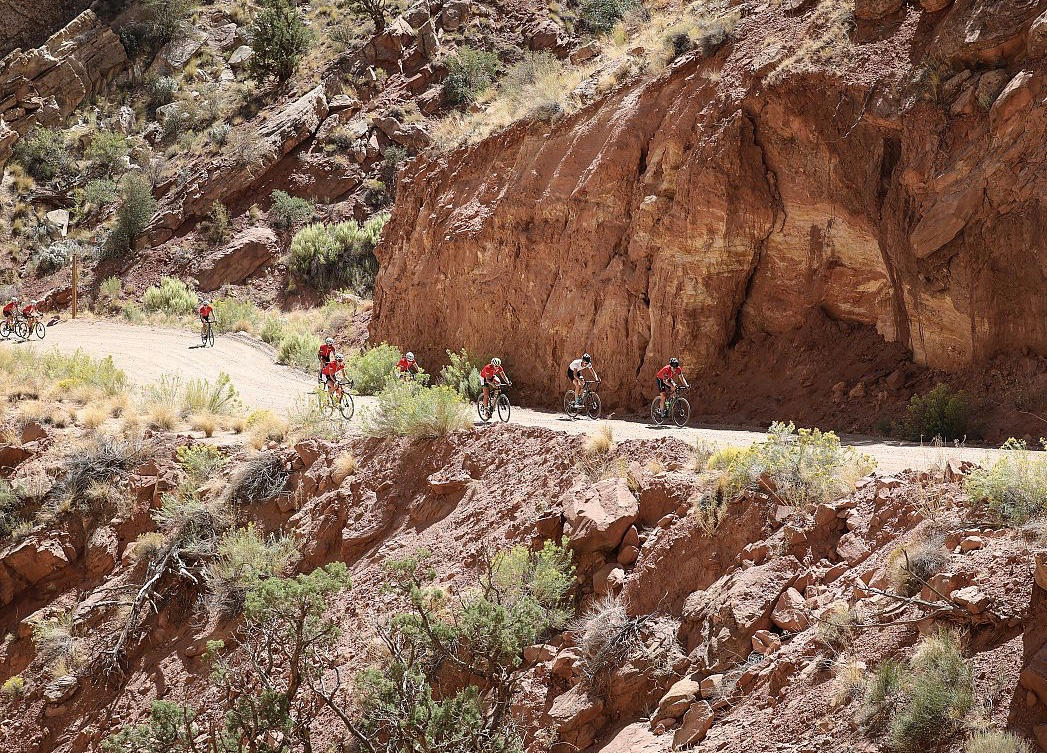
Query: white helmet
(496,361)
(410,356)
(339,357)
(34,302)
(329,341)
(205,302)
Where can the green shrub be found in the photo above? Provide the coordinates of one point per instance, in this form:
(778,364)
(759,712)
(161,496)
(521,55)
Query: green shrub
(111,288)
(338,256)
(41,152)
(287,210)
(216,227)
(171,296)
(470,72)
(940,413)
(408,409)
(136,209)
(937,693)
(1014,487)
(218,398)
(100,192)
(9,505)
(169,19)
(522,595)
(160,91)
(244,558)
(462,375)
(298,349)
(67,370)
(200,462)
(996,741)
(234,314)
(910,567)
(392,158)
(370,370)
(55,257)
(14,687)
(600,16)
(107,151)
(279,38)
(805,466)
(272,331)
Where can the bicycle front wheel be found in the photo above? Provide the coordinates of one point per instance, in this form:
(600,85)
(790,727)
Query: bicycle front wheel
(681,412)
(41,330)
(482,410)
(346,406)
(569,406)
(656,415)
(5,330)
(324,403)
(593,406)
(210,337)
(22,330)
(504,408)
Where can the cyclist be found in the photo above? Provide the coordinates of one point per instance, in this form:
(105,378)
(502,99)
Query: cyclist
(206,317)
(406,366)
(330,372)
(666,381)
(493,376)
(31,313)
(326,352)
(11,311)
(575,373)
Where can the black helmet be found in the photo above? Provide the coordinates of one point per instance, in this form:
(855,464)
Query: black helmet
(674,362)
(587,358)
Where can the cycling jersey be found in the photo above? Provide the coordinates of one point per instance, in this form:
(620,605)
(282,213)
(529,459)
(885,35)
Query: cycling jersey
(577,365)
(9,309)
(28,311)
(490,371)
(326,351)
(205,312)
(405,365)
(331,368)
(668,372)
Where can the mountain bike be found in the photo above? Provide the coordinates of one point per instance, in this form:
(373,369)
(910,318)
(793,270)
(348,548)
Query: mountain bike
(24,328)
(207,334)
(589,402)
(6,328)
(676,407)
(340,400)
(499,402)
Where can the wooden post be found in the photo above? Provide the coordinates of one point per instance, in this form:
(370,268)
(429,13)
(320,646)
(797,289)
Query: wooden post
(76,279)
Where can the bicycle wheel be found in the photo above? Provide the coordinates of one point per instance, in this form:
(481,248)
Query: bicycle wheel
(483,411)
(593,406)
(569,406)
(657,417)
(5,330)
(504,408)
(21,330)
(346,406)
(41,330)
(209,340)
(681,412)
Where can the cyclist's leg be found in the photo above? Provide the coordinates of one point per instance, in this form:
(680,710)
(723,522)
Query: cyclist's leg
(487,393)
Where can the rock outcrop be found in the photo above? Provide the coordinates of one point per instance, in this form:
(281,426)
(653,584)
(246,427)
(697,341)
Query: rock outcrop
(43,86)
(28,24)
(719,204)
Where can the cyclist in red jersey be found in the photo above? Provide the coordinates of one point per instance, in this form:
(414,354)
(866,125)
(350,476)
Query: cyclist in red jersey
(406,366)
(10,311)
(30,313)
(665,379)
(493,376)
(325,355)
(330,371)
(206,315)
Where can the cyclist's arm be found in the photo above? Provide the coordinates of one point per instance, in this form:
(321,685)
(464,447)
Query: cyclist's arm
(682,379)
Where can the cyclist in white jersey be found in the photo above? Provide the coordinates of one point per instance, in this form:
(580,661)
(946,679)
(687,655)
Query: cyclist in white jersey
(576,371)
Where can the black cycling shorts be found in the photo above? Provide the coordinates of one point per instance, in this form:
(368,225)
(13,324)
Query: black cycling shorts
(663,386)
(570,373)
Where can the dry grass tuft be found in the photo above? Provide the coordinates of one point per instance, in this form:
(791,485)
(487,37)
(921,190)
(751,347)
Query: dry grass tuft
(147,545)
(599,442)
(344,465)
(910,566)
(265,427)
(161,417)
(91,416)
(825,45)
(205,422)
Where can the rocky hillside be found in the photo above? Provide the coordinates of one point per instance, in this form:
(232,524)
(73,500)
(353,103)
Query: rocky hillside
(875,165)
(782,614)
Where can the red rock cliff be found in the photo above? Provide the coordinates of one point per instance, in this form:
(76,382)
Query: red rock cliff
(900,187)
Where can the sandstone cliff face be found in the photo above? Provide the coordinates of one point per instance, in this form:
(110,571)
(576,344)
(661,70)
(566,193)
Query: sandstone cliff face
(28,24)
(704,208)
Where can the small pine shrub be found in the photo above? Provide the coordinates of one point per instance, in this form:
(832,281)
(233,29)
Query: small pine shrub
(462,375)
(279,38)
(600,16)
(941,413)
(217,229)
(408,409)
(244,557)
(136,209)
(100,192)
(470,72)
(287,211)
(1013,488)
(171,296)
(107,151)
(371,369)
(168,19)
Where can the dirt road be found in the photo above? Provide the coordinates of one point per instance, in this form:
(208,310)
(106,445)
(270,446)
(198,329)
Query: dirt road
(147,353)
